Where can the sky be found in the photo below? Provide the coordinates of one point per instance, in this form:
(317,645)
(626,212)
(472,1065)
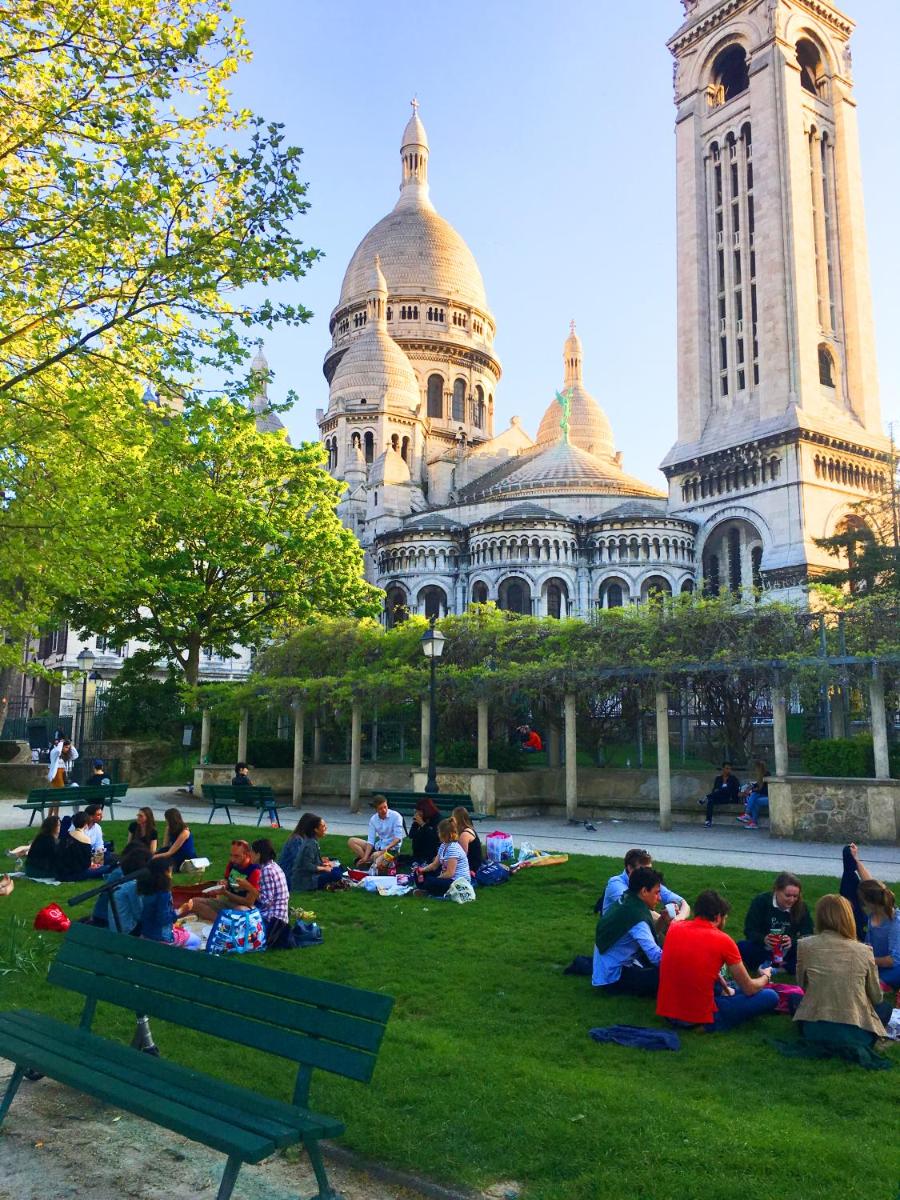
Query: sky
(552,154)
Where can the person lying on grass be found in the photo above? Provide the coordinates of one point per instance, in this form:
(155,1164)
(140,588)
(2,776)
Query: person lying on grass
(158,913)
(626,952)
(239,887)
(450,862)
(617,886)
(691,990)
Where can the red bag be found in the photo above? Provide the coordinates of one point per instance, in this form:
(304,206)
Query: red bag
(53,919)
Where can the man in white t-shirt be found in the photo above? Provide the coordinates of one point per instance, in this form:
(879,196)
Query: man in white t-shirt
(385,835)
(94,829)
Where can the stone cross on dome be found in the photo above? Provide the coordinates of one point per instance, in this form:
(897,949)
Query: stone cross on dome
(415,105)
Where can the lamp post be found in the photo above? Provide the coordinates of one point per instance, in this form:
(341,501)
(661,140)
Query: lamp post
(433,648)
(85,662)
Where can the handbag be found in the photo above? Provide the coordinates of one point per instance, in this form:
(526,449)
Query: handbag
(237,931)
(307,933)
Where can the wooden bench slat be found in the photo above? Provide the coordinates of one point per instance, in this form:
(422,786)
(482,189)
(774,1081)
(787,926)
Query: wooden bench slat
(372,1006)
(93,1081)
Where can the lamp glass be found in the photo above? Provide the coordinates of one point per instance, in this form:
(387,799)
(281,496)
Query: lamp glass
(85,659)
(433,643)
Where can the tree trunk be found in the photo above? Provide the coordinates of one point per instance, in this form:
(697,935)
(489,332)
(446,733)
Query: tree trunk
(192,666)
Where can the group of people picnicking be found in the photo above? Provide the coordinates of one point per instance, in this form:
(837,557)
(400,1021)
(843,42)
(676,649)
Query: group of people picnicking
(846,958)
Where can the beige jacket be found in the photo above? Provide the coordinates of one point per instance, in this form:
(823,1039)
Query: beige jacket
(840,980)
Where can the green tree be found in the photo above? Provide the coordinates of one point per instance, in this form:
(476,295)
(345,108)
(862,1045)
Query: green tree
(138,209)
(235,537)
(867,544)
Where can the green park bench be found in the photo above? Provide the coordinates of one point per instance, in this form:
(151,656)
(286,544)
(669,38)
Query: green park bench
(316,1024)
(223,795)
(405,803)
(40,799)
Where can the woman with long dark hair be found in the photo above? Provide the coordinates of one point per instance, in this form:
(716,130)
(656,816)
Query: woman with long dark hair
(775,922)
(312,871)
(179,840)
(423,830)
(143,830)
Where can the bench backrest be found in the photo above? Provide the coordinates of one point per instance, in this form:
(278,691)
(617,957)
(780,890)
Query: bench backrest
(108,791)
(317,1024)
(228,791)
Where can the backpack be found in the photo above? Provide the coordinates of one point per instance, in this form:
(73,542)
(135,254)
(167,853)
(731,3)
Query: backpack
(307,933)
(491,873)
(236,931)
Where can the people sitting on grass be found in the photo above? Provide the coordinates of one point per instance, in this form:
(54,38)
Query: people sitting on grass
(94,830)
(42,855)
(692,991)
(142,830)
(274,897)
(385,836)
(726,789)
(179,844)
(757,798)
(158,914)
(239,885)
(423,830)
(310,870)
(626,952)
(853,872)
(842,1011)
(775,921)
(468,838)
(75,854)
(883,929)
(450,863)
(617,886)
(128,904)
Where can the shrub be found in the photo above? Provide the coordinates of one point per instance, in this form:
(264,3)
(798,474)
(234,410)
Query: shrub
(847,757)
(261,751)
(501,755)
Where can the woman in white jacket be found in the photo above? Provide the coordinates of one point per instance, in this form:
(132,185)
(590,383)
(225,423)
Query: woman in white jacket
(62,756)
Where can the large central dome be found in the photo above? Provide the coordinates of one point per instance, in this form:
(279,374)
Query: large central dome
(421,254)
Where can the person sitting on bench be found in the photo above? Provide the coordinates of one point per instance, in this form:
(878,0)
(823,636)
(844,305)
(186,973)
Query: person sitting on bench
(626,953)
(726,789)
(241,778)
(240,884)
(385,835)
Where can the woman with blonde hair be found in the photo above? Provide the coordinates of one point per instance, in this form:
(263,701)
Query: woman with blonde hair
(838,1014)
(468,838)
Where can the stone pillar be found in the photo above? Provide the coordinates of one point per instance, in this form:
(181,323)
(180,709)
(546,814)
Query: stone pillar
(779,729)
(837,728)
(571,758)
(553,752)
(879,726)
(205,736)
(426,731)
(355,754)
(297,788)
(662,759)
(317,741)
(482,735)
(243,727)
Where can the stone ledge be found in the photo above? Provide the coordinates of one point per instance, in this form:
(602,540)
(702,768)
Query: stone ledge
(827,809)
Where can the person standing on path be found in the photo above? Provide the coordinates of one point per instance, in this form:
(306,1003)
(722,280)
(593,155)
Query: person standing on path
(62,756)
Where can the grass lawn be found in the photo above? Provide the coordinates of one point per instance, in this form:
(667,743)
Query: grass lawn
(487,1071)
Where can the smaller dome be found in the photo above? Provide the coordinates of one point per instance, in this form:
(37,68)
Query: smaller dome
(260,363)
(589,426)
(414,134)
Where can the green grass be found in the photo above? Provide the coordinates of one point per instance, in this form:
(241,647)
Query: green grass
(487,1071)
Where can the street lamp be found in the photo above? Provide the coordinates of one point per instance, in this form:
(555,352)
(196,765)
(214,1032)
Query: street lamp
(85,662)
(433,648)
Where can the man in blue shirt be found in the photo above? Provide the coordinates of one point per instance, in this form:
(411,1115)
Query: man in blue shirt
(626,953)
(617,886)
(385,835)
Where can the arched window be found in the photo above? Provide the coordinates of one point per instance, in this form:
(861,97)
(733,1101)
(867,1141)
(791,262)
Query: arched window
(812,77)
(478,416)
(479,593)
(687,587)
(730,75)
(614,596)
(734,559)
(826,367)
(655,588)
(404,449)
(433,602)
(396,606)
(395,441)
(515,596)
(557,595)
(459,400)
(435,396)
(756,567)
(369,447)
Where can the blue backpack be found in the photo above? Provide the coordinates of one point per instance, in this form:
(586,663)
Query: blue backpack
(491,873)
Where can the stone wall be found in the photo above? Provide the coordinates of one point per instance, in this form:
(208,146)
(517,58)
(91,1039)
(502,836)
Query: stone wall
(327,782)
(834,810)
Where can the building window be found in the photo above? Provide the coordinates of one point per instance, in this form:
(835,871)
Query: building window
(730,76)
(711,577)
(479,593)
(459,400)
(826,367)
(404,449)
(433,602)
(435,396)
(812,76)
(614,596)
(100,643)
(369,444)
(396,607)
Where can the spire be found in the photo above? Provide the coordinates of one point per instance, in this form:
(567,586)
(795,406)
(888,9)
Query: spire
(414,155)
(260,368)
(376,297)
(572,357)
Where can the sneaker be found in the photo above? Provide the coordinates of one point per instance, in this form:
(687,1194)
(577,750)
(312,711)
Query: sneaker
(751,825)
(274,825)
(708,824)
(742,818)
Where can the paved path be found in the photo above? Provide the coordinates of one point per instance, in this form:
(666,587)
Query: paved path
(725,845)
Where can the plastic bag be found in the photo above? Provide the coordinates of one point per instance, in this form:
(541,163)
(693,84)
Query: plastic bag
(526,851)
(52,918)
(460,891)
(500,846)
(237,931)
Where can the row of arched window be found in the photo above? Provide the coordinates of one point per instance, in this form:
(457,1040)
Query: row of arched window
(359,319)
(731,73)
(645,549)
(410,312)
(498,550)
(393,562)
(853,475)
(472,409)
(435,314)
(730,479)
(366,442)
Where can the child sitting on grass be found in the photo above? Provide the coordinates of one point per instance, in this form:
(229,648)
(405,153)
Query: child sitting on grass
(451,862)
(158,913)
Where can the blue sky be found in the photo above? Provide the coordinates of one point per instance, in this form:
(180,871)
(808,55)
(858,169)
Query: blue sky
(552,153)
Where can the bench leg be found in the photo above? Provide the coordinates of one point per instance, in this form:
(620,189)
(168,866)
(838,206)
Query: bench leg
(229,1179)
(326,1191)
(17,1076)
(34,813)
(228,815)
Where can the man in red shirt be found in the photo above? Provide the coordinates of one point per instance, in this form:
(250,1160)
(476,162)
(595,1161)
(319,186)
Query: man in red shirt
(531,740)
(691,991)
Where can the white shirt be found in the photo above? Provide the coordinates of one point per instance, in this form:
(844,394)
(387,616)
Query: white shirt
(55,762)
(95,837)
(383,831)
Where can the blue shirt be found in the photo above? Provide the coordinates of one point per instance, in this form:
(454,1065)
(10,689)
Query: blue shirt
(288,855)
(383,831)
(158,917)
(129,904)
(885,939)
(617,886)
(454,850)
(608,966)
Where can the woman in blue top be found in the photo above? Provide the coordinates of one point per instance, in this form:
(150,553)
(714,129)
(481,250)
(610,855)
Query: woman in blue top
(179,840)
(451,862)
(883,934)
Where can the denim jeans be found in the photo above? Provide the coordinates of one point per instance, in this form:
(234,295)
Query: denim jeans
(890,975)
(756,801)
(755,954)
(735,1010)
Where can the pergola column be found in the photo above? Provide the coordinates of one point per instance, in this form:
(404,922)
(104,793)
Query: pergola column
(243,728)
(779,729)
(662,759)
(879,725)
(482,706)
(425,737)
(297,788)
(571,757)
(355,754)
(205,736)
(317,740)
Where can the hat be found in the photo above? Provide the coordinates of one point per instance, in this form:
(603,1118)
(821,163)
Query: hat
(98,762)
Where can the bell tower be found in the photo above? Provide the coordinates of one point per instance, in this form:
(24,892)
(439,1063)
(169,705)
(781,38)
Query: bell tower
(779,425)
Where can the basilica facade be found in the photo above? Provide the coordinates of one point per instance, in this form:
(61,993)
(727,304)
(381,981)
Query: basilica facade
(779,429)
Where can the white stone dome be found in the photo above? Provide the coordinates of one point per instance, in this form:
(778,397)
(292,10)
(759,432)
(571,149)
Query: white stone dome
(589,427)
